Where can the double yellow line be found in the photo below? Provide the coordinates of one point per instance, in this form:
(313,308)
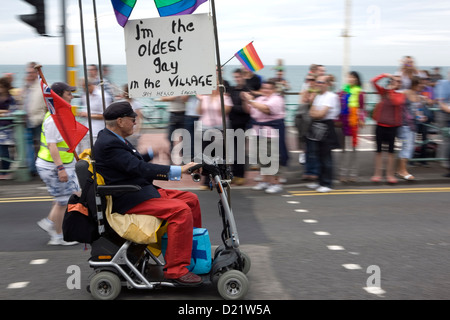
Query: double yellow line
(26,199)
(302,193)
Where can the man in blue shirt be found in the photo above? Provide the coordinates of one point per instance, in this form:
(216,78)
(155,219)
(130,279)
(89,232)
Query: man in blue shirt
(120,163)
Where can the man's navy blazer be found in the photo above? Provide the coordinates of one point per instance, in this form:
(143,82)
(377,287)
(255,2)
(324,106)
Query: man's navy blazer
(120,163)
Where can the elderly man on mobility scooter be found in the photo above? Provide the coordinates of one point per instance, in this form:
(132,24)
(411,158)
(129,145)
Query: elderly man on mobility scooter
(120,163)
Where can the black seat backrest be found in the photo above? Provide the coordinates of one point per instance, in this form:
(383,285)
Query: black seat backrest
(82,171)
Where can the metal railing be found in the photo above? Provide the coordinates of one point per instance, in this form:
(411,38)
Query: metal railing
(18,166)
(157,116)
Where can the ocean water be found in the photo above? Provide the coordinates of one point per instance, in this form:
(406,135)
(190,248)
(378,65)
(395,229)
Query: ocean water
(295,75)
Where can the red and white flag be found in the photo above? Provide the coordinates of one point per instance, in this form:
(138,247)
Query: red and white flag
(70,129)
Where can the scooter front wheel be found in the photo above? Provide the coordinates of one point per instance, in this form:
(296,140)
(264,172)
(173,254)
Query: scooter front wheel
(233,285)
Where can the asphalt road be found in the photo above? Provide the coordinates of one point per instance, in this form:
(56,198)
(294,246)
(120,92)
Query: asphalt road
(369,243)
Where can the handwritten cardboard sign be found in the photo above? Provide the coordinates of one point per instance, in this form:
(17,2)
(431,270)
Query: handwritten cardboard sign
(170,56)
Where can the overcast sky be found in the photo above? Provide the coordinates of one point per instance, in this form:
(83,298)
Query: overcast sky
(300,32)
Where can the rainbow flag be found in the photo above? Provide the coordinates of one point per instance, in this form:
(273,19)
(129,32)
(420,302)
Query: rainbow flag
(249,58)
(122,9)
(177,7)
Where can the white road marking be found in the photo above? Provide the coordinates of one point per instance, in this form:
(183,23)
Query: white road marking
(374,290)
(309,221)
(39,261)
(335,248)
(18,285)
(322,233)
(301,210)
(351,266)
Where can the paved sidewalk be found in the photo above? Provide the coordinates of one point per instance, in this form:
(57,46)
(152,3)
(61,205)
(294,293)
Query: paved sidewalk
(433,173)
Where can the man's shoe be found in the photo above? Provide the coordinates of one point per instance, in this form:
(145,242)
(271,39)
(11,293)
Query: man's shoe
(261,186)
(46,225)
(59,241)
(312,185)
(189,279)
(323,189)
(274,188)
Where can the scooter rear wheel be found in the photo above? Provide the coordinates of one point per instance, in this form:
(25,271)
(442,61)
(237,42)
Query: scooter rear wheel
(105,286)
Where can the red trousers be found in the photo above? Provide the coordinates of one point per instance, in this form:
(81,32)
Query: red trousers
(181,210)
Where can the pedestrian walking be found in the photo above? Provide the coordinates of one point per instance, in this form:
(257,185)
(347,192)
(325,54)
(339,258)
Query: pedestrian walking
(56,167)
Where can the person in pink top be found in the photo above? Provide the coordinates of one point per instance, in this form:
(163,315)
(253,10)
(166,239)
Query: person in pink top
(267,112)
(210,111)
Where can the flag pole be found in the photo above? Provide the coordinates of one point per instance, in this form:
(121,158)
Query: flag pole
(41,74)
(88,104)
(101,227)
(100,67)
(221,86)
(231,58)
(228,61)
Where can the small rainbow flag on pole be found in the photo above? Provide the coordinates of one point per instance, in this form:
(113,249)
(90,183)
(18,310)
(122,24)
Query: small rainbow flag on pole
(177,7)
(249,58)
(122,9)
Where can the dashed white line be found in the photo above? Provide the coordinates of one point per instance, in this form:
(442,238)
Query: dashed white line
(18,285)
(24,284)
(374,290)
(351,266)
(335,248)
(39,261)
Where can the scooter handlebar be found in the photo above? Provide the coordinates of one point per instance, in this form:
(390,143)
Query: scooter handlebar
(192,169)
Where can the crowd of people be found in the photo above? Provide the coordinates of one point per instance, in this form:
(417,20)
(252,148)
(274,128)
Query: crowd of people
(327,118)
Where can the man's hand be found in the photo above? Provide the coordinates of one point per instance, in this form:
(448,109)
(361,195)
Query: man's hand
(186,167)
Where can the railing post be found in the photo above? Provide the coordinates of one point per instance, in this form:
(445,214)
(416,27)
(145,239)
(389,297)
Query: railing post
(22,172)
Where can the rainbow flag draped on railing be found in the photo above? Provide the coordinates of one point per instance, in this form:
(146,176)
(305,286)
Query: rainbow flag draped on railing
(249,58)
(177,7)
(122,9)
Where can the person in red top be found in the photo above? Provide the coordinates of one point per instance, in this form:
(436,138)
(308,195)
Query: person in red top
(388,120)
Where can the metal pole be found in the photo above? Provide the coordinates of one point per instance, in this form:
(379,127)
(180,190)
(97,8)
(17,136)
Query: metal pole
(88,104)
(219,75)
(64,34)
(100,67)
(346,35)
(221,90)
(101,227)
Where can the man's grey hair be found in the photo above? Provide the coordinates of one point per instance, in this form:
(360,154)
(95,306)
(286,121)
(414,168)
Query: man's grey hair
(111,123)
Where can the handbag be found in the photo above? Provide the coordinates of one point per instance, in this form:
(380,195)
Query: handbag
(79,223)
(201,260)
(317,131)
